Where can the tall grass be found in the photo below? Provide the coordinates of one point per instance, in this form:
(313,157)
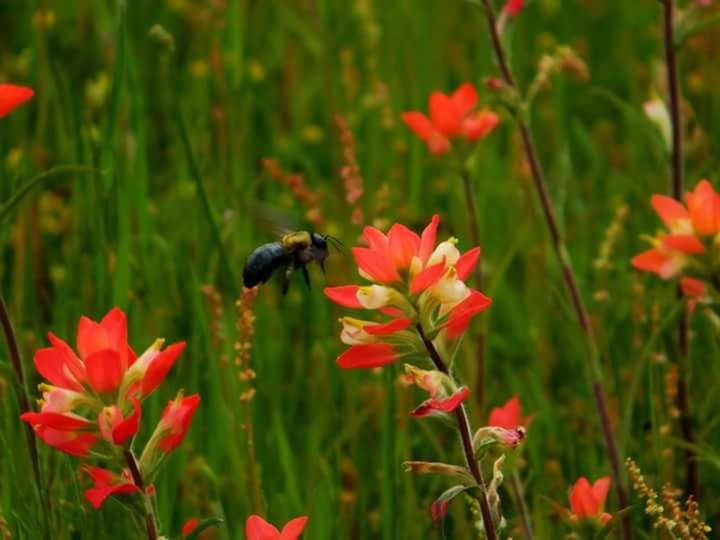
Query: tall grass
(166,193)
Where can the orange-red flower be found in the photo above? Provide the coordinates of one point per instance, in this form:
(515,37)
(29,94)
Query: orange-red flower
(189,526)
(175,421)
(256,528)
(12,95)
(416,282)
(95,394)
(445,396)
(694,234)
(509,415)
(108,484)
(587,501)
(513,7)
(451,116)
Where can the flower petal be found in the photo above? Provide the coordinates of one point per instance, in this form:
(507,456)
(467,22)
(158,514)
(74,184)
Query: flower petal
(687,243)
(367,356)
(465,98)
(388,328)
(104,370)
(444,114)
(427,278)
(507,416)
(376,265)
(159,367)
(428,239)
(128,427)
(654,260)
(12,95)
(582,501)
(447,405)
(466,263)
(345,295)
(419,124)
(669,210)
(58,421)
(294,528)
(67,441)
(693,287)
(256,528)
(403,245)
(52,364)
(461,315)
(600,490)
(480,124)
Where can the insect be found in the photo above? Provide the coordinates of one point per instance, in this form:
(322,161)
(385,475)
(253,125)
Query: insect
(292,252)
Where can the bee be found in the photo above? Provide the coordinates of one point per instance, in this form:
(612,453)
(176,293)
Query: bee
(294,251)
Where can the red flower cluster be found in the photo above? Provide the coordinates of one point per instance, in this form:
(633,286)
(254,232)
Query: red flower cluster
(509,416)
(587,501)
(12,95)
(452,117)
(692,244)
(416,283)
(91,401)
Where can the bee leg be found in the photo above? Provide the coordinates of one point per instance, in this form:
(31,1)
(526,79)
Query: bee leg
(322,266)
(286,280)
(307,277)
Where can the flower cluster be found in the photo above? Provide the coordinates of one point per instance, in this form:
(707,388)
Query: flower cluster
(416,283)
(691,244)
(452,117)
(91,402)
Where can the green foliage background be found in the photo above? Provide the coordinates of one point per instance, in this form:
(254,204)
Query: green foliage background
(257,79)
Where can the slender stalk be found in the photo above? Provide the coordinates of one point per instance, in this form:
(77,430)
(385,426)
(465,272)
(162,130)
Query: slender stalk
(522,507)
(14,353)
(676,188)
(563,258)
(150,523)
(466,438)
(475,236)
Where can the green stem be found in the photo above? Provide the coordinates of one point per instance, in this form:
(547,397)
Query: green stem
(150,521)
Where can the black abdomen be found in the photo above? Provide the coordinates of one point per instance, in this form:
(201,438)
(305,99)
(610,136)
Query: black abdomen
(263,262)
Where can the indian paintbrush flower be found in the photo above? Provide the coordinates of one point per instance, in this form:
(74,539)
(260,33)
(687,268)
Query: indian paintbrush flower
(587,501)
(415,282)
(509,415)
(256,528)
(108,484)
(691,244)
(452,117)
(95,395)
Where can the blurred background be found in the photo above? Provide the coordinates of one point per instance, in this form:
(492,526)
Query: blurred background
(195,142)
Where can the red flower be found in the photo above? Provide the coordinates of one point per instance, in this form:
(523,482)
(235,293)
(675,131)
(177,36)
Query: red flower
(108,484)
(508,416)
(687,226)
(256,528)
(461,315)
(451,117)
(175,421)
(411,276)
(586,501)
(513,7)
(114,427)
(694,289)
(434,406)
(12,95)
(189,526)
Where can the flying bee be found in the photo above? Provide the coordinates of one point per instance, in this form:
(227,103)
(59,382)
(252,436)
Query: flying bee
(294,251)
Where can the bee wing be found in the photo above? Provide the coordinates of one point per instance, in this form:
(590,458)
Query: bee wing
(272,219)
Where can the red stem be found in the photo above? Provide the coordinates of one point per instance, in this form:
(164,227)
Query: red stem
(150,525)
(677,179)
(563,258)
(466,438)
